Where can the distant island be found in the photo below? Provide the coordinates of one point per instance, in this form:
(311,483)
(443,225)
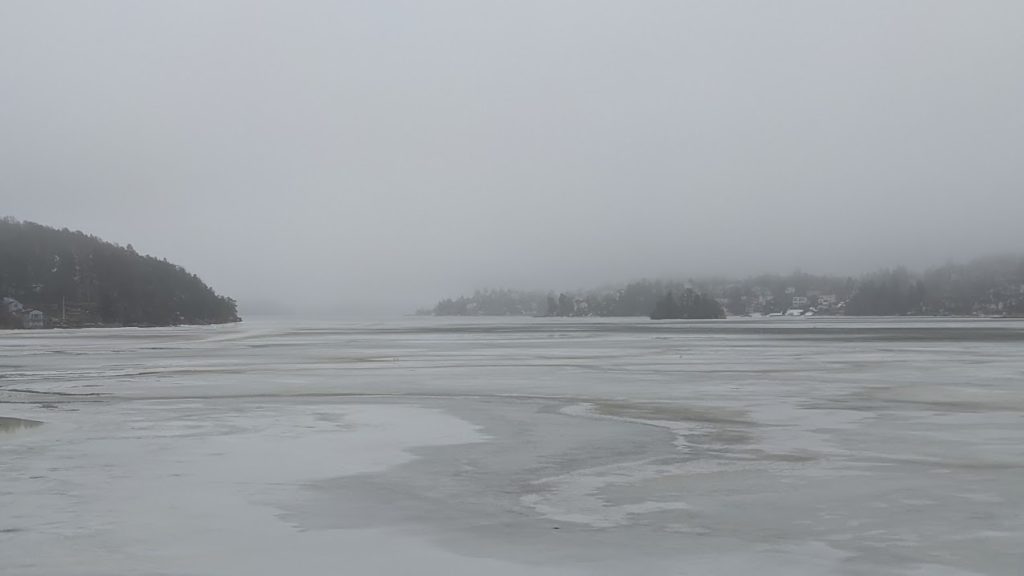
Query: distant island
(991,286)
(60,278)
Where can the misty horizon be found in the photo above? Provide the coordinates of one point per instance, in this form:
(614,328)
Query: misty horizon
(383,156)
(280,307)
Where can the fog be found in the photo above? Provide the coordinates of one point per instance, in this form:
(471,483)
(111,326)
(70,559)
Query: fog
(381,155)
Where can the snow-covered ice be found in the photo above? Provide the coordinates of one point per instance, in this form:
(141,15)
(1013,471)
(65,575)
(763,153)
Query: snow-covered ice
(515,446)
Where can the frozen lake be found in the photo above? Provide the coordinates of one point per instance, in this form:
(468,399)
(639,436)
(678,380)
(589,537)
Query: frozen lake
(515,446)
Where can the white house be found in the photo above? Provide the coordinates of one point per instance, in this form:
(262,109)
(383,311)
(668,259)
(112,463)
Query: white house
(580,307)
(800,301)
(35,319)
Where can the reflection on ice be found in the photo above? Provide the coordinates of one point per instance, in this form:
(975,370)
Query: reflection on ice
(14,424)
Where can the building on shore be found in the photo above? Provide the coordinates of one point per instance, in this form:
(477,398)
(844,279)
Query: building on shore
(34,319)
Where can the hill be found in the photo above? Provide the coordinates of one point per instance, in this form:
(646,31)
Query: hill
(79,280)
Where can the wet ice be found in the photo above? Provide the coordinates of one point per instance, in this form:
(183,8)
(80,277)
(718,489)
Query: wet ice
(824,446)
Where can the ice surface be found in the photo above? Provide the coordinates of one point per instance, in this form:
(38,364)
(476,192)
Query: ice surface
(519,446)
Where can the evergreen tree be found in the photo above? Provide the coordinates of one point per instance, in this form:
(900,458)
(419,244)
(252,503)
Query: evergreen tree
(552,307)
(666,308)
(690,305)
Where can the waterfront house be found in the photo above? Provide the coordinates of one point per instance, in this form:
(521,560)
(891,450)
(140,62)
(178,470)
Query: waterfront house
(35,319)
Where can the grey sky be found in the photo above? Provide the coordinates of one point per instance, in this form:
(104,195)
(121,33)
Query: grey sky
(380,154)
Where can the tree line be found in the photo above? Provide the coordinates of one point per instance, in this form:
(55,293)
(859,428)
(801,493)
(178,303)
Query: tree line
(635,299)
(83,280)
(990,286)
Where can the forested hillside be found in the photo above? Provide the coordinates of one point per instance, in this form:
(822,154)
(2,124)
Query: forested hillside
(79,280)
(990,286)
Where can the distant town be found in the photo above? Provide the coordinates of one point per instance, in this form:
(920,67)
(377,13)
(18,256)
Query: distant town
(991,286)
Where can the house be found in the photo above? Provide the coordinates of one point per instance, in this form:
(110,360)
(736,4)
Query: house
(827,300)
(800,301)
(35,319)
(580,307)
(13,306)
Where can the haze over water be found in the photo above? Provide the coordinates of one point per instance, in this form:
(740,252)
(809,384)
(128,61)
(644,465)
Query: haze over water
(323,156)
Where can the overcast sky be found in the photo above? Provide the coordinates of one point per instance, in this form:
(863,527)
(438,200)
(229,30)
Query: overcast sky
(368,155)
